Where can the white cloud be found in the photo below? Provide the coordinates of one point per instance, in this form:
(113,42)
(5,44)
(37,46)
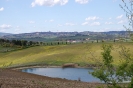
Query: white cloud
(95,24)
(31,22)
(85,23)
(108,23)
(16,31)
(51,20)
(48,2)
(1,9)
(119,17)
(121,22)
(70,24)
(17,28)
(91,24)
(82,1)
(92,18)
(5,26)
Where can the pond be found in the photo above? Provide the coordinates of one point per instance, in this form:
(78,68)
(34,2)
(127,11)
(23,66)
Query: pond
(67,73)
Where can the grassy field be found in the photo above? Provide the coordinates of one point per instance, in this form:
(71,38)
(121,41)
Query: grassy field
(60,54)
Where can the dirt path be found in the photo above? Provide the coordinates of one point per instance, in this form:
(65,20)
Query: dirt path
(16,79)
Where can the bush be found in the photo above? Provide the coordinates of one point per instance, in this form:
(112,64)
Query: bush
(111,75)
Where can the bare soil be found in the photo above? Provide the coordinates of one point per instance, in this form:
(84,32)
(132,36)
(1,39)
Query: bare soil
(17,79)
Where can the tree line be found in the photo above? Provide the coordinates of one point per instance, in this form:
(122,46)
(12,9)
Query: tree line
(25,43)
(10,43)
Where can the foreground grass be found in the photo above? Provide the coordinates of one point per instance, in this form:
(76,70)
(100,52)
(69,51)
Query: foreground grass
(60,54)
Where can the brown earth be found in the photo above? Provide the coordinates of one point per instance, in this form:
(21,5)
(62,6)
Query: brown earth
(17,79)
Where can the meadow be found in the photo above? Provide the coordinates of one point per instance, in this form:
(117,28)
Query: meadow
(83,54)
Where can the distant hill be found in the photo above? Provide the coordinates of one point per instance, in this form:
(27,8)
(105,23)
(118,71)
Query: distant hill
(4,34)
(55,36)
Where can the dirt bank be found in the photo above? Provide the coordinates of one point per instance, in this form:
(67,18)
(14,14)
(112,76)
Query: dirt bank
(17,79)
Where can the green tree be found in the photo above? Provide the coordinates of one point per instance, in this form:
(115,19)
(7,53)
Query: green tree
(114,40)
(106,72)
(112,75)
(97,40)
(125,69)
(128,9)
(30,43)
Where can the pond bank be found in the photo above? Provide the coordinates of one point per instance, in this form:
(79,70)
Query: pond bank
(68,65)
(17,79)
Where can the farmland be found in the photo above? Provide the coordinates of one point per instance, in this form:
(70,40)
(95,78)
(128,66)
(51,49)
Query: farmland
(57,55)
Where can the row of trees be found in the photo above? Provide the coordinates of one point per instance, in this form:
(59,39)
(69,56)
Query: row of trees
(9,43)
(24,43)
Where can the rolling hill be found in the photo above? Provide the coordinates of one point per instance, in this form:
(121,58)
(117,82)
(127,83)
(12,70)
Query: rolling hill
(60,54)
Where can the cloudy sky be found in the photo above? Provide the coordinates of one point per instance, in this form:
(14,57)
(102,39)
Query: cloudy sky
(23,16)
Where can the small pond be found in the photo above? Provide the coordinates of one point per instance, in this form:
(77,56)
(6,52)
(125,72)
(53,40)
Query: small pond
(67,73)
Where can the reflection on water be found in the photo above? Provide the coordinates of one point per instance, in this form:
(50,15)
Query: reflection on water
(67,73)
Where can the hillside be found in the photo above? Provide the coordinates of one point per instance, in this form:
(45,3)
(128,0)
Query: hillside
(60,54)
(4,34)
(63,36)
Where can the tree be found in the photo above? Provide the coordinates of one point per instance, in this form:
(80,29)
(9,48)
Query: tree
(23,42)
(129,14)
(114,40)
(97,40)
(125,69)
(51,43)
(66,42)
(105,72)
(58,43)
(30,43)
(14,42)
(41,43)
(113,75)
(127,65)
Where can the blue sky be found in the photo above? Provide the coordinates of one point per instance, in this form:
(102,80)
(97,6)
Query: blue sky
(24,16)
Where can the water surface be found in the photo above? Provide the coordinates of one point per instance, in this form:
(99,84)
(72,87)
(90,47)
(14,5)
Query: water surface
(67,73)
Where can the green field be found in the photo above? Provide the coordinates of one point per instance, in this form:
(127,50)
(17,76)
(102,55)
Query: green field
(60,54)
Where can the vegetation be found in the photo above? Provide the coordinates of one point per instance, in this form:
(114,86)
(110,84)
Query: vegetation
(114,62)
(59,54)
(12,45)
(114,75)
(129,14)
(67,36)
(106,71)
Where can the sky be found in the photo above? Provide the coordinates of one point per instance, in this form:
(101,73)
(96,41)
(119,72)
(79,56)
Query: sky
(25,16)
